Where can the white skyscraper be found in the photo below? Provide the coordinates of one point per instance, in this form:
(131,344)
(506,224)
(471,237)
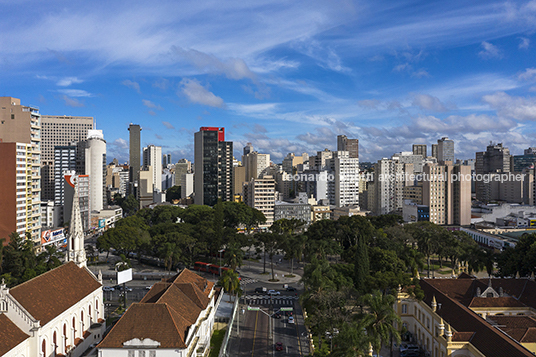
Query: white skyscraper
(95,155)
(152,160)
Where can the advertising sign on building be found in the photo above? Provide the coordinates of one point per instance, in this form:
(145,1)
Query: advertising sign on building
(102,223)
(52,236)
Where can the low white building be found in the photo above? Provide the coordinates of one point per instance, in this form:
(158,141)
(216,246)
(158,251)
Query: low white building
(60,312)
(175,318)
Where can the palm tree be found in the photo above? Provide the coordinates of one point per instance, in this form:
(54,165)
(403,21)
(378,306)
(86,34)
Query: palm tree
(233,255)
(230,282)
(380,318)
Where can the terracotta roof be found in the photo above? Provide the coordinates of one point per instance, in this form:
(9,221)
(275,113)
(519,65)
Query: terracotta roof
(505,301)
(10,335)
(50,294)
(155,321)
(462,336)
(520,328)
(184,297)
(487,339)
(522,289)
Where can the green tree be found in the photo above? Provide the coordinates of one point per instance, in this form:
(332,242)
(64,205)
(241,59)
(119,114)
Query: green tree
(362,265)
(379,319)
(173,193)
(130,205)
(230,282)
(233,255)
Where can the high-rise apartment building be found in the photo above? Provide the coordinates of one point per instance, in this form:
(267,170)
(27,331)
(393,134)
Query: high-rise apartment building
(447,193)
(260,194)
(419,149)
(151,162)
(21,126)
(134,150)
(434,150)
(388,187)
(82,183)
(255,163)
(58,131)
(248,148)
(344,189)
(182,167)
(95,159)
(350,145)
(496,159)
(64,161)
(445,150)
(290,162)
(213,166)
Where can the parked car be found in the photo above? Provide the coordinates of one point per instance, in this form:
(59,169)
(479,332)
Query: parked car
(127,288)
(278,346)
(148,287)
(291,319)
(260,290)
(274,292)
(291,288)
(107,288)
(409,347)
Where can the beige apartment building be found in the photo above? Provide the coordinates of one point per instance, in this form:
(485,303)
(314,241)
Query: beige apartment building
(260,194)
(59,130)
(20,192)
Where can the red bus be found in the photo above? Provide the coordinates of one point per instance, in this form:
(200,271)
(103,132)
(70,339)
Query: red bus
(201,266)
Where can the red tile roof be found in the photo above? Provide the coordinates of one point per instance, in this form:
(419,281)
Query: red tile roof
(520,328)
(155,321)
(462,336)
(183,296)
(487,339)
(506,301)
(10,335)
(50,294)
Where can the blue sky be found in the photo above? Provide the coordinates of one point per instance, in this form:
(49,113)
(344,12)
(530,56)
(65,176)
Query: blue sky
(287,76)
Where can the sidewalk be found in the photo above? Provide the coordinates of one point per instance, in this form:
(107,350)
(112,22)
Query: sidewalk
(254,270)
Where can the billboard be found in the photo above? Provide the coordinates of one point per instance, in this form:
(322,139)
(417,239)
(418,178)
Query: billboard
(102,223)
(124,276)
(52,236)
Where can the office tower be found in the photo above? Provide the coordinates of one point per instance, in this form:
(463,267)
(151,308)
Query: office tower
(434,150)
(248,148)
(151,159)
(58,130)
(239,178)
(164,161)
(318,162)
(408,157)
(187,185)
(496,159)
(447,193)
(290,162)
(182,167)
(254,164)
(344,189)
(117,179)
(95,159)
(520,162)
(213,166)
(260,194)
(388,187)
(64,160)
(445,150)
(419,149)
(169,159)
(134,150)
(145,188)
(350,145)
(21,126)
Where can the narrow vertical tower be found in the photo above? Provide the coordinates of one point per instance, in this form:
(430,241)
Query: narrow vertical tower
(77,253)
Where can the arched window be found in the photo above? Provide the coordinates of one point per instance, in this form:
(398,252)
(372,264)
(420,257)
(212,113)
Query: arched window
(82,321)
(90,316)
(44,348)
(65,337)
(74,329)
(54,341)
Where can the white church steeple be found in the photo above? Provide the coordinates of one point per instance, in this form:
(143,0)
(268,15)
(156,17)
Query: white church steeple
(77,253)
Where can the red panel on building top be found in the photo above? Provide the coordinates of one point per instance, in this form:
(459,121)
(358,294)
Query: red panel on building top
(221,131)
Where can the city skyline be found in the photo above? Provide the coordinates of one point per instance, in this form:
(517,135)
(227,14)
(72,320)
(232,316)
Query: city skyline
(285,77)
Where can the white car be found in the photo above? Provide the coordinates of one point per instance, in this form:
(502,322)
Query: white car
(107,288)
(274,292)
(291,319)
(148,287)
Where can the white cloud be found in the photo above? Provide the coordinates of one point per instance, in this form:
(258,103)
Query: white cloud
(421,73)
(151,105)
(168,125)
(402,67)
(489,51)
(72,102)
(75,92)
(132,84)
(67,81)
(519,108)
(524,44)
(198,94)
(529,74)
(369,103)
(428,102)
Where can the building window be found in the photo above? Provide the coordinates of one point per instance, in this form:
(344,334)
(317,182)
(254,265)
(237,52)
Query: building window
(131,353)
(404,308)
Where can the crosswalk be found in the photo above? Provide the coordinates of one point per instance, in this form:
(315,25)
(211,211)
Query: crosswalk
(265,300)
(245,281)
